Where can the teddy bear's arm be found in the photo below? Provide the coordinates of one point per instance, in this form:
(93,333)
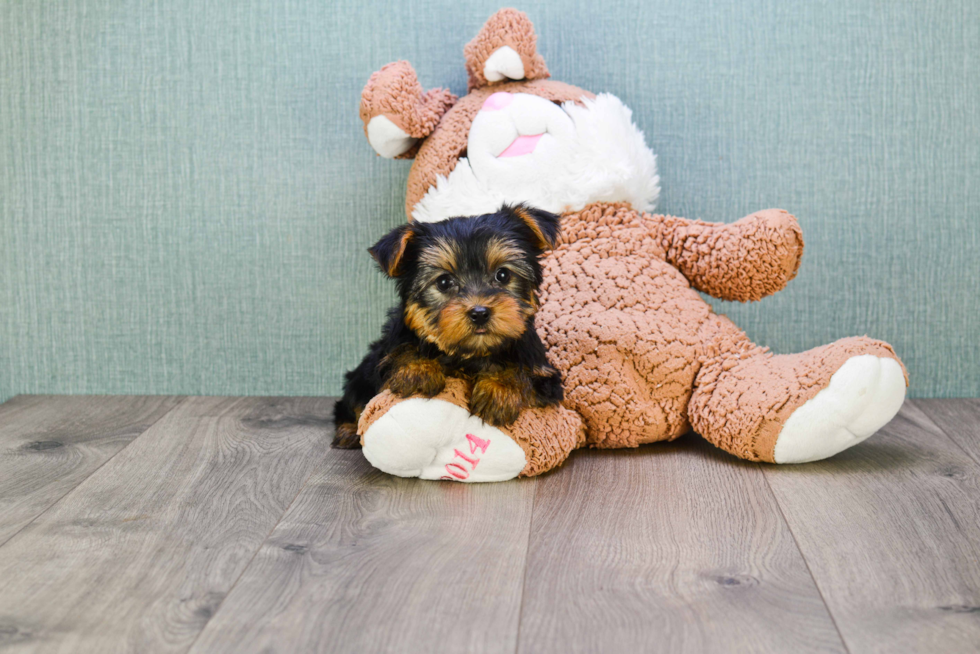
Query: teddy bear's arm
(744,261)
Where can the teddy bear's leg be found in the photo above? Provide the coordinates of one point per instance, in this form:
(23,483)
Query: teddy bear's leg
(438,438)
(629,383)
(793,408)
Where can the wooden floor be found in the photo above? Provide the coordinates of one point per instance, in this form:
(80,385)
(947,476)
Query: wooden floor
(167,524)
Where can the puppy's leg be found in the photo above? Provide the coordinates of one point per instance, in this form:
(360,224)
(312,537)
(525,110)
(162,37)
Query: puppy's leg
(346,437)
(545,384)
(546,387)
(409,373)
(360,385)
(498,397)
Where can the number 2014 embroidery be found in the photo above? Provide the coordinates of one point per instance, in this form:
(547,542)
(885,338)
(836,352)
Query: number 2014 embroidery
(457,471)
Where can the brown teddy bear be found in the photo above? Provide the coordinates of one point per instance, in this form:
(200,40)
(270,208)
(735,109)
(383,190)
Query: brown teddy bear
(643,356)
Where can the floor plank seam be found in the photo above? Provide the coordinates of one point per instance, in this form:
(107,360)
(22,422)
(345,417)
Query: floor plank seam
(251,560)
(527,560)
(782,515)
(71,490)
(945,433)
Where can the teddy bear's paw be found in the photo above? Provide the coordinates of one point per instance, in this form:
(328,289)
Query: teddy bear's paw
(435,439)
(862,397)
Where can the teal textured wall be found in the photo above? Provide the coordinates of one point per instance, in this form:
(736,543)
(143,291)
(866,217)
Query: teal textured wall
(186,193)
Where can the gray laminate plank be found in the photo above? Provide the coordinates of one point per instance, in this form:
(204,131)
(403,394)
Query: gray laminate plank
(139,555)
(891,532)
(959,419)
(49,444)
(667,548)
(366,562)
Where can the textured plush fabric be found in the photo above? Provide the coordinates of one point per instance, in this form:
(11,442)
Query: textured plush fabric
(643,356)
(509,28)
(186,194)
(395,92)
(623,324)
(731,389)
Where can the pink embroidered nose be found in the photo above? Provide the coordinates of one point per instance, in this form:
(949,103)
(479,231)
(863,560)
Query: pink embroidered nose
(497,101)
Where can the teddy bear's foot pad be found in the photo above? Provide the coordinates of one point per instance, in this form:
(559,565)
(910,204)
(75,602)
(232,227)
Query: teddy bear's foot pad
(862,397)
(435,439)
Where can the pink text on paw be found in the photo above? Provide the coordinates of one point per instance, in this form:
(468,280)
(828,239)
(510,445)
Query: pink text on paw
(457,470)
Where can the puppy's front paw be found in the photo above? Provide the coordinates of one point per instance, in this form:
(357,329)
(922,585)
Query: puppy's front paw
(498,400)
(417,377)
(547,385)
(346,437)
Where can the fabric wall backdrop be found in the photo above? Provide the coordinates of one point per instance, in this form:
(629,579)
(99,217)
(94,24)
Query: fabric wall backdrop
(186,193)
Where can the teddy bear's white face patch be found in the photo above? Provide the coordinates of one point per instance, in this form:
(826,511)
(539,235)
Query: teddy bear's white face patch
(523,148)
(516,139)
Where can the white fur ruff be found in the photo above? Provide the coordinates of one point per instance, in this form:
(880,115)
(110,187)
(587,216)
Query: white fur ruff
(605,160)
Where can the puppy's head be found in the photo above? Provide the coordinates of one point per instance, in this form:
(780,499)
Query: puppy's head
(470,284)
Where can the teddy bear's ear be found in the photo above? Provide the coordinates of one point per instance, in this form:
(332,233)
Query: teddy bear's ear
(397,113)
(504,50)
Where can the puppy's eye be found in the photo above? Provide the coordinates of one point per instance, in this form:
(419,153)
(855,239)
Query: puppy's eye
(502,275)
(444,283)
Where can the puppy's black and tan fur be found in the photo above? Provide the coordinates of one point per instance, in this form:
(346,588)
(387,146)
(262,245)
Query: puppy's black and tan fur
(468,289)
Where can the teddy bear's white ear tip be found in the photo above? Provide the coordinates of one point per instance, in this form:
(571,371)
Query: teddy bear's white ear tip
(387,139)
(503,64)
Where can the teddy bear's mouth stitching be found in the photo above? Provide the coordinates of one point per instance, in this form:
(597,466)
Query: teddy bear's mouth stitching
(522,145)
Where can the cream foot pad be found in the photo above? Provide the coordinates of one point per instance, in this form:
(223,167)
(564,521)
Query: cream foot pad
(434,439)
(862,396)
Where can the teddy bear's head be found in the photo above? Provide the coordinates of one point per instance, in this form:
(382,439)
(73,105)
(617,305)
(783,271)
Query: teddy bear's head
(516,137)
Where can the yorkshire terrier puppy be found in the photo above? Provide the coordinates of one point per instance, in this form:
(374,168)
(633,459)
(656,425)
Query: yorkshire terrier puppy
(468,289)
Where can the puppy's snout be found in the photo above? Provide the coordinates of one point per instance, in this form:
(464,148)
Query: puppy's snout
(479,315)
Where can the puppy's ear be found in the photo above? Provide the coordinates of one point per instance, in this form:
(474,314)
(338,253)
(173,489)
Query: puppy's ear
(389,252)
(545,226)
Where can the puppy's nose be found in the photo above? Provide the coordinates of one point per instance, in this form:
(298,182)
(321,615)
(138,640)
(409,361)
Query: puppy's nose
(479,315)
